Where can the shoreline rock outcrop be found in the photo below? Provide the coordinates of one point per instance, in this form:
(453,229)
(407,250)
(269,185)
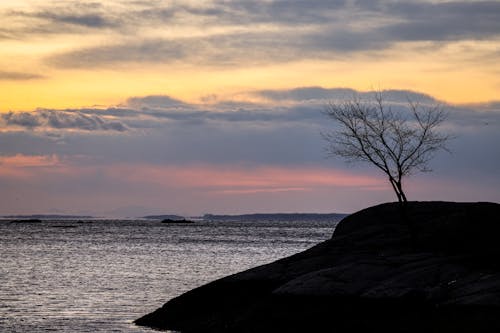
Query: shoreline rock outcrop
(371,275)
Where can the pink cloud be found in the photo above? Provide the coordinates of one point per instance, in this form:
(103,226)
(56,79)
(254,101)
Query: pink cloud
(25,166)
(78,183)
(36,167)
(263,190)
(242,179)
(26,161)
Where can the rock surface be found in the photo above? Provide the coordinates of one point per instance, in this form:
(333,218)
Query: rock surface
(183,221)
(370,276)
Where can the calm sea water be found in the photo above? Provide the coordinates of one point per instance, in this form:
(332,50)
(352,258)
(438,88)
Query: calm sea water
(98,276)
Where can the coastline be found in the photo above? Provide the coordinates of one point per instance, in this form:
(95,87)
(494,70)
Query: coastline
(369,275)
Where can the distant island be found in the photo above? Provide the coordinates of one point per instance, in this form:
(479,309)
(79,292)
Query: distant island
(171,218)
(183,221)
(164,217)
(26,221)
(46,217)
(274,217)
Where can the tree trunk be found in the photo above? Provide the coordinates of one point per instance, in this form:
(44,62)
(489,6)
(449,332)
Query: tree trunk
(395,188)
(403,210)
(399,186)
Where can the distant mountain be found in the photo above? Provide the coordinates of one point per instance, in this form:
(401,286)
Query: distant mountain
(47,217)
(275,217)
(164,217)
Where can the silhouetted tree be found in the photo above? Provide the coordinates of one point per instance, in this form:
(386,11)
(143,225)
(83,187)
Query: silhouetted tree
(396,142)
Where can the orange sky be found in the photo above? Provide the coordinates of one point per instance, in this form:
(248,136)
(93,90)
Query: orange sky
(80,54)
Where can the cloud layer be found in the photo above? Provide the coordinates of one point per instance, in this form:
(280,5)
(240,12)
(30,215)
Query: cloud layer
(249,32)
(228,152)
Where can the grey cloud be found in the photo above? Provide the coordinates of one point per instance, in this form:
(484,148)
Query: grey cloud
(57,119)
(244,13)
(492,106)
(454,17)
(59,18)
(306,93)
(339,25)
(19,76)
(435,21)
(317,29)
(479,116)
(85,20)
(144,52)
(302,108)
(325,94)
(25,119)
(222,50)
(257,48)
(155,101)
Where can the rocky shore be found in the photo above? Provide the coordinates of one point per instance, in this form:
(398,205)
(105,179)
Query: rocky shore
(373,275)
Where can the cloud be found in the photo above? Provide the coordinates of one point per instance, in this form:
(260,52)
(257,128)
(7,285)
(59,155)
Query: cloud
(193,157)
(54,18)
(324,94)
(30,161)
(19,76)
(190,188)
(84,20)
(57,119)
(282,31)
(212,178)
(155,101)
(283,130)
(224,50)
(454,20)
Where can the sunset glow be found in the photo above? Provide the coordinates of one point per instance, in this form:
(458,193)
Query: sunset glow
(224,99)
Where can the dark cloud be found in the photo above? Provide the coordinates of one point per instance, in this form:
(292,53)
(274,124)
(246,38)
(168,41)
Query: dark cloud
(56,119)
(19,76)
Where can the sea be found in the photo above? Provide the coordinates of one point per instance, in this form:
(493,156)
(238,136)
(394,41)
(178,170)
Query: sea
(100,275)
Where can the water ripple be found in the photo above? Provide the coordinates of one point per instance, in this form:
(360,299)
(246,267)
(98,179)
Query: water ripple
(100,276)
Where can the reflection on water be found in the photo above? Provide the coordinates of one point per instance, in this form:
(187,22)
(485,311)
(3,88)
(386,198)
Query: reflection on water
(100,276)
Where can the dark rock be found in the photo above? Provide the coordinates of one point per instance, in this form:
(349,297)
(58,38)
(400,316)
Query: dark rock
(163,217)
(371,276)
(183,221)
(26,221)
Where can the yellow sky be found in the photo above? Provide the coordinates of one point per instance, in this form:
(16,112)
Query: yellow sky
(459,71)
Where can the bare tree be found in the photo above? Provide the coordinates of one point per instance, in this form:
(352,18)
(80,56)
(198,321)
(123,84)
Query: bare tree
(396,142)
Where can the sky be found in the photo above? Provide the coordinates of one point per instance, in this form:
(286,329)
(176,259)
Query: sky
(128,108)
